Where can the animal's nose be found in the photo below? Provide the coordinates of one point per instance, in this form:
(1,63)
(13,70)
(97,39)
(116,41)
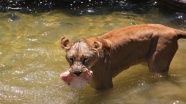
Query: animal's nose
(78,73)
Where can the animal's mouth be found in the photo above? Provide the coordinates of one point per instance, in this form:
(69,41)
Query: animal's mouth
(70,77)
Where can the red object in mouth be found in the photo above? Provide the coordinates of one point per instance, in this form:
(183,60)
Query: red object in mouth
(76,81)
(67,77)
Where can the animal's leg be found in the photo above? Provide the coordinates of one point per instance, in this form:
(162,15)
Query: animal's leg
(159,60)
(100,84)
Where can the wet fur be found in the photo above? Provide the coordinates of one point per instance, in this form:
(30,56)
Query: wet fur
(119,49)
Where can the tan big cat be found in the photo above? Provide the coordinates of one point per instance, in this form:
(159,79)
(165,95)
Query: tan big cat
(107,55)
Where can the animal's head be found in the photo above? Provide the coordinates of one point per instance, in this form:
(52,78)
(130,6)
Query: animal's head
(82,55)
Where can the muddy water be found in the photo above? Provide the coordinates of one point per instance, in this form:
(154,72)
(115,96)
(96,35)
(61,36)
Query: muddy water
(31,61)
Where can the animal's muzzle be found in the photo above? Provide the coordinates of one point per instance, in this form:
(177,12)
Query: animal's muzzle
(77,69)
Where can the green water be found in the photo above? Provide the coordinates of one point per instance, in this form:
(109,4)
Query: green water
(31,61)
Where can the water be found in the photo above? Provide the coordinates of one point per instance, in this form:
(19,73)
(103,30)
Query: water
(31,60)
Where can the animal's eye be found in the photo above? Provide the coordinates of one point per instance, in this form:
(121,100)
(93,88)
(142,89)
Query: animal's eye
(85,59)
(71,59)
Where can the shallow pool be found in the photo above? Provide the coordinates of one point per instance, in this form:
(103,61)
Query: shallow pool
(31,61)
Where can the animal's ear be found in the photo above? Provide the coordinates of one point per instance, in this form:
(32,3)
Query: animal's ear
(65,43)
(98,48)
(97,45)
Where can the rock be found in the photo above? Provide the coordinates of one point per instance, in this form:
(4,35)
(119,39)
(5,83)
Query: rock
(174,4)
